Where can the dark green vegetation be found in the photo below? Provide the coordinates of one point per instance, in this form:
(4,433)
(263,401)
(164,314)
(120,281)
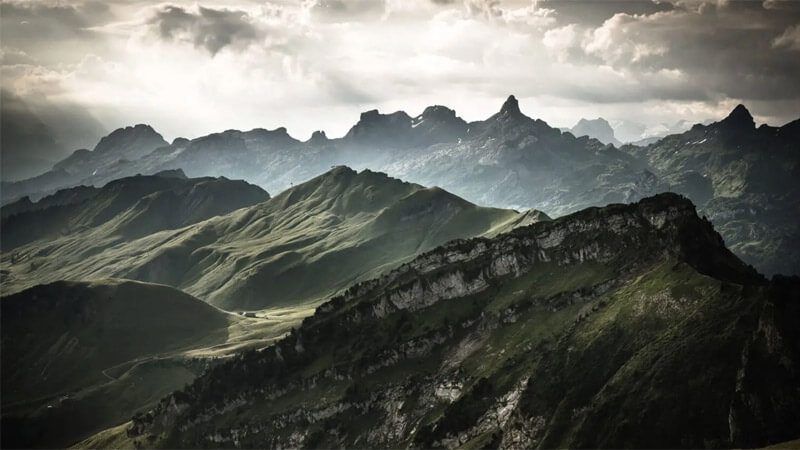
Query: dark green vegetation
(626,326)
(121,211)
(744,179)
(301,246)
(289,252)
(81,357)
(40,239)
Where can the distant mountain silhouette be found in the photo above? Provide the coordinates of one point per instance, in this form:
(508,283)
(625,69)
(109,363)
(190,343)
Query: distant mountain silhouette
(598,129)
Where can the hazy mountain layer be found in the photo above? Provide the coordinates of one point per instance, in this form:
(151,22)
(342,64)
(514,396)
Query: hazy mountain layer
(303,245)
(118,148)
(626,326)
(35,133)
(598,129)
(508,161)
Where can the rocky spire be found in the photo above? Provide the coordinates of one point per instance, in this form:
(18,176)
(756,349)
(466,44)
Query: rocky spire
(317,137)
(739,118)
(511,106)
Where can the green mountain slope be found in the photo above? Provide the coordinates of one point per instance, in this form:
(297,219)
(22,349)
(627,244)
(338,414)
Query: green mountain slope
(124,209)
(746,180)
(625,326)
(79,357)
(303,245)
(40,238)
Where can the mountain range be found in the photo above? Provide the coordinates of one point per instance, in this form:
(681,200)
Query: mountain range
(302,245)
(156,295)
(626,326)
(36,133)
(744,179)
(508,160)
(227,242)
(122,209)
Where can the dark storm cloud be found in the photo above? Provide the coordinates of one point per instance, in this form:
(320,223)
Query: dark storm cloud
(25,24)
(741,50)
(210,29)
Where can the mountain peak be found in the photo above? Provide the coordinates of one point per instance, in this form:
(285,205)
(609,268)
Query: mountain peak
(438,112)
(339,171)
(172,173)
(139,135)
(510,106)
(318,136)
(598,129)
(374,128)
(740,117)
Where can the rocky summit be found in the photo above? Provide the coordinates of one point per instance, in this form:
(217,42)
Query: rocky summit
(624,326)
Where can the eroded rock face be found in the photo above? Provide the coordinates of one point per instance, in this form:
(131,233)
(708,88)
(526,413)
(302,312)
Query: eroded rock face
(547,336)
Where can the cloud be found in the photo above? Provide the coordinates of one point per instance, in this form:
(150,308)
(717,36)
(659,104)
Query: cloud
(36,132)
(594,13)
(310,64)
(209,29)
(560,40)
(346,10)
(727,49)
(789,39)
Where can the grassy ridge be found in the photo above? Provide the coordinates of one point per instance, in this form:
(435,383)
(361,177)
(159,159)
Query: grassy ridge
(303,245)
(626,326)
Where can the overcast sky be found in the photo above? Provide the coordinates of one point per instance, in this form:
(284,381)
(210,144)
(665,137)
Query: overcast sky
(191,68)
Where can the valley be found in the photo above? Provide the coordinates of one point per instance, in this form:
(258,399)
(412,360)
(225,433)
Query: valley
(136,342)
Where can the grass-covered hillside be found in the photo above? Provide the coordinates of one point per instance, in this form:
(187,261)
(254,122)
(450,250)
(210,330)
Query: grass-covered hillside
(66,345)
(120,211)
(300,246)
(626,326)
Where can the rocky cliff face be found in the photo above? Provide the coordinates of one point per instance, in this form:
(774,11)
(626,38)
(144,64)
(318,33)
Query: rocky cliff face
(626,326)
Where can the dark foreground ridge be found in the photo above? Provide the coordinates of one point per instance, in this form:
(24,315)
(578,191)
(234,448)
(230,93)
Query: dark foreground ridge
(624,326)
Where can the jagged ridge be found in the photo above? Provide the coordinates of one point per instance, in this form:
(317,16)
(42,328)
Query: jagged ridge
(467,345)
